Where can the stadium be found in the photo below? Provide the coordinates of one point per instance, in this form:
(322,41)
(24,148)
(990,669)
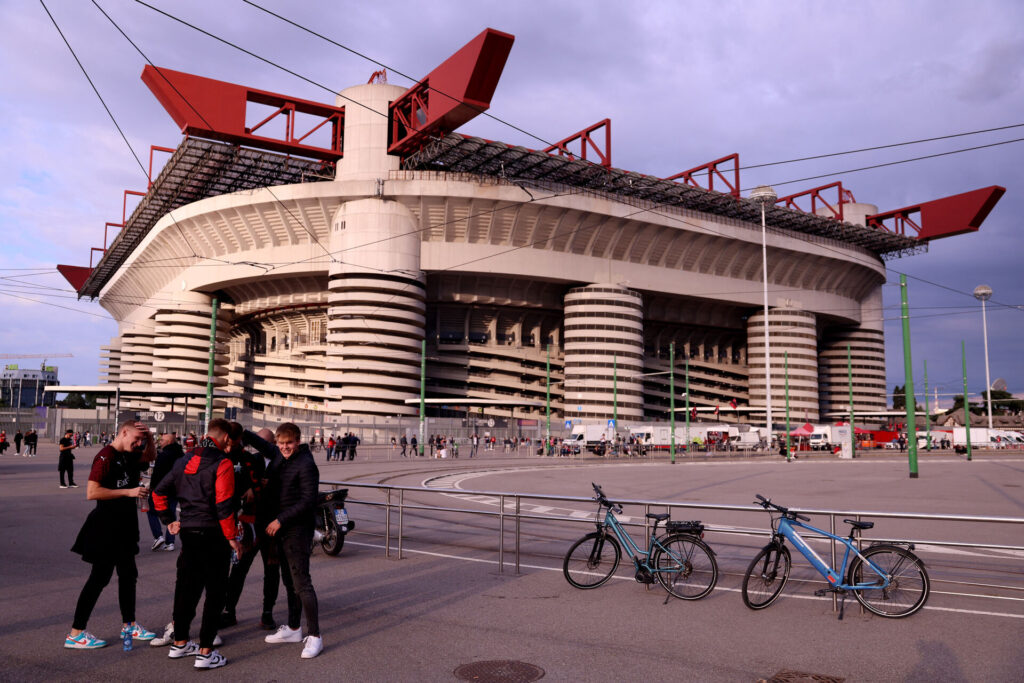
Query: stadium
(355,253)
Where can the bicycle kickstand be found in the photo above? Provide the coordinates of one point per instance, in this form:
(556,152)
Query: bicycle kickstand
(821,592)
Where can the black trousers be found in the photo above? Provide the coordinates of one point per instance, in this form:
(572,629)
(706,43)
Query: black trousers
(65,463)
(202,565)
(295,546)
(271,575)
(127,575)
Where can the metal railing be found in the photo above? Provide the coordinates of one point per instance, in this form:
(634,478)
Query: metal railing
(510,505)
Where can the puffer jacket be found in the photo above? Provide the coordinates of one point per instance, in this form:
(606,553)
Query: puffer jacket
(298,479)
(204,483)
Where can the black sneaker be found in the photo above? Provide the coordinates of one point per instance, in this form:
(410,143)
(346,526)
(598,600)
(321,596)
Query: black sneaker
(228,619)
(267,622)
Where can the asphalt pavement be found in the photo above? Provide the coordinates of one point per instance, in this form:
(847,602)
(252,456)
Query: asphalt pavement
(446,604)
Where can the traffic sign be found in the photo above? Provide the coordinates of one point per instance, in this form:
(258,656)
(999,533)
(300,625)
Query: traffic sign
(611,424)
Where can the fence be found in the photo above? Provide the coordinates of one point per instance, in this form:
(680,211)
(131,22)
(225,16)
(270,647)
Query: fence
(999,577)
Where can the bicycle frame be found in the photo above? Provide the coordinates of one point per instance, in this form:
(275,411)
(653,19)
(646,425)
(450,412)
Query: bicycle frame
(786,530)
(640,557)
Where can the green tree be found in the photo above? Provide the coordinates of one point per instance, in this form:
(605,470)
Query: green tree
(76,399)
(1003,402)
(899,398)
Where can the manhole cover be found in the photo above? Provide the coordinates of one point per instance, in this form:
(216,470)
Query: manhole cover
(788,676)
(499,671)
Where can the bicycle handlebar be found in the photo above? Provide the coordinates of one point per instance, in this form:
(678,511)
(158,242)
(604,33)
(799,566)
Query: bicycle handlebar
(603,499)
(766,503)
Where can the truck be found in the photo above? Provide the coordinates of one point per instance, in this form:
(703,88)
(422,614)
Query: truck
(589,437)
(657,436)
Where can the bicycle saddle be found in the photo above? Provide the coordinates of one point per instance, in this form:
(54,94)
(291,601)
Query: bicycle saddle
(859,525)
(660,516)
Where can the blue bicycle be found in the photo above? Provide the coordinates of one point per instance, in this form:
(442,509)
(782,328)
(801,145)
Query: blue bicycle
(679,560)
(887,578)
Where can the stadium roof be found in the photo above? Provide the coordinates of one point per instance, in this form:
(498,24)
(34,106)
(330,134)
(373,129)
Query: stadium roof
(199,169)
(459,153)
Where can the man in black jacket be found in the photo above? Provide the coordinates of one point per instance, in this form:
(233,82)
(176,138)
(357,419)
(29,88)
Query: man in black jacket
(204,483)
(298,479)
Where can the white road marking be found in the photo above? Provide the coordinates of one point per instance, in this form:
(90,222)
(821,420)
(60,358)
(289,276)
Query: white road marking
(481,560)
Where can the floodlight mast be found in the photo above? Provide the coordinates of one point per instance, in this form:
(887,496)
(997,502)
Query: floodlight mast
(983,293)
(765,195)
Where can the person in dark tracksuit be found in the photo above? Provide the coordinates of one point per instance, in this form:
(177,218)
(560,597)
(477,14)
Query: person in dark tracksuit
(297,480)
(204,483)
(256,511)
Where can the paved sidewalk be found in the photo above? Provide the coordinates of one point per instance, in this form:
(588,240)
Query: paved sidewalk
(420,618)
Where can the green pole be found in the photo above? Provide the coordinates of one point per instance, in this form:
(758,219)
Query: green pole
(672,399)
(788,443)
(547,436)
(209,372)
(967,412)
(927,413)
(908,389)
(687,404)
(615,394)
(423,389)
(849,381)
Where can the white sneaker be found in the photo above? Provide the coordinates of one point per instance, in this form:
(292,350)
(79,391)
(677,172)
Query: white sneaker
(210,661)
(285,634)
(189,649)
(217,640)
(314,646)
(158,543)
(166,639)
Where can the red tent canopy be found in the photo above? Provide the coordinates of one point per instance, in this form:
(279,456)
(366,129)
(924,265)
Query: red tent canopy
(805,430)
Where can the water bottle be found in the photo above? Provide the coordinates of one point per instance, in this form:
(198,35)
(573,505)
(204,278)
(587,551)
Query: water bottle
(126,638)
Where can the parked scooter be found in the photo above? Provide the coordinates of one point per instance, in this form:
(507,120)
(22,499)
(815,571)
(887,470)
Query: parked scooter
(332,522)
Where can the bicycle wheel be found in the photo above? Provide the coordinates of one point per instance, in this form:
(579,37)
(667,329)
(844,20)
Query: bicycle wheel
(766,576)
(685,566)
(908,581)
(591,560)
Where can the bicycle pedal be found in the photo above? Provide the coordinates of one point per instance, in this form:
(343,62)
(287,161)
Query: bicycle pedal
(821,592)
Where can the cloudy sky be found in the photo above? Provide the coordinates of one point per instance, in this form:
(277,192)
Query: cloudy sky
(683,82)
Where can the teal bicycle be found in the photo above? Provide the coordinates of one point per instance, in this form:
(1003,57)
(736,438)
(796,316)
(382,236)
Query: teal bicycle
(679,560)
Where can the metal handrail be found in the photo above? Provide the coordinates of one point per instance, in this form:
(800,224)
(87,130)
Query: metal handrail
(518,515)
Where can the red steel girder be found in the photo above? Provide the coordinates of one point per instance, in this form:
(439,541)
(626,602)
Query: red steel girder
(452,94)
(208,108)
(586,139)
(75,275)
(815,193)
(953,215)
(712,170)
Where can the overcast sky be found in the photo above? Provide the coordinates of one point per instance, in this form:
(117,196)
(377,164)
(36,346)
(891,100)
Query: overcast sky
(683,82)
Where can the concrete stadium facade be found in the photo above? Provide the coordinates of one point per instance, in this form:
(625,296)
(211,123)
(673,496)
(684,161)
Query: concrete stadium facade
(328,289)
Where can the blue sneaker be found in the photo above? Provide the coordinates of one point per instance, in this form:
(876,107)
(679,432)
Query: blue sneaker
(139,632)
(84,641)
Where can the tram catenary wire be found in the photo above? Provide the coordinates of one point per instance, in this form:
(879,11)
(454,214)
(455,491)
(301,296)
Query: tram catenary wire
(330,254)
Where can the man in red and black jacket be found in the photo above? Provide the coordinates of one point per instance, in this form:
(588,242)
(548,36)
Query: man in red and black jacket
(204,484)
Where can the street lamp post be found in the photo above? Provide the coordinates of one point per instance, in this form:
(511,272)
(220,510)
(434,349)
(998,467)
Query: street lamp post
(765,195)
(983,293)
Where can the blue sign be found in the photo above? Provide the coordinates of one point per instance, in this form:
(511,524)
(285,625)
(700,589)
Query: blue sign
(568,424)
(611,424)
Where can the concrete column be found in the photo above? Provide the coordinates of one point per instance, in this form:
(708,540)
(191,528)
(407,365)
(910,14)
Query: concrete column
(794,331)
(603,325)
(376,314)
